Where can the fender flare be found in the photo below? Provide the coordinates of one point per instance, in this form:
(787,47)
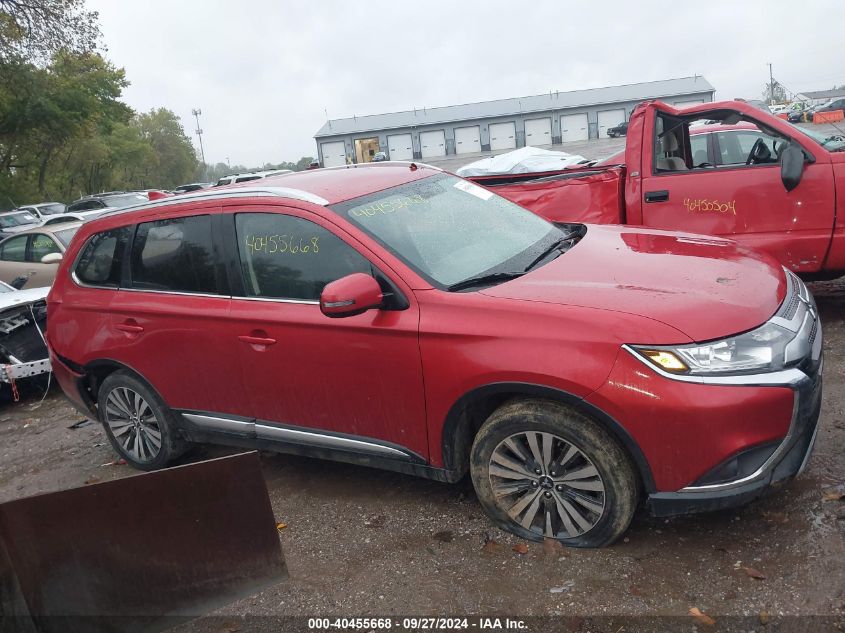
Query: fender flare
(457,428)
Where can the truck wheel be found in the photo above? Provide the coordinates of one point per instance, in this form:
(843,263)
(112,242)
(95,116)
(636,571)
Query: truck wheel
(138,424)
(543,470)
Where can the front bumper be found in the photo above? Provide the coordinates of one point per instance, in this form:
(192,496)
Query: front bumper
(788,460)
(790,456)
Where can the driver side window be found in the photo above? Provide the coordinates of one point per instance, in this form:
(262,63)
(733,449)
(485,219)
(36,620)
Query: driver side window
(735,147)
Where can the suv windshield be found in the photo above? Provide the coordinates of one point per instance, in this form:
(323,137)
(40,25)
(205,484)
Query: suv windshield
(450,230)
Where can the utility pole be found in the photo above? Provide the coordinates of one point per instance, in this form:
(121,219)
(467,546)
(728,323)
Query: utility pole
(197,112)
(771,86)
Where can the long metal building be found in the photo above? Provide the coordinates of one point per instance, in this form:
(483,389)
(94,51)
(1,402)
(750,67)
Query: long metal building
(539,120)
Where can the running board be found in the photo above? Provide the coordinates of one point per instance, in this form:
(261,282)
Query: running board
(256,429)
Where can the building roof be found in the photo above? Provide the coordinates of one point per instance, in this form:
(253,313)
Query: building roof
(518,105)
(825,94)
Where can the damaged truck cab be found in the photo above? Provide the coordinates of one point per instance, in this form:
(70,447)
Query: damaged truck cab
(785,197)
(782,200)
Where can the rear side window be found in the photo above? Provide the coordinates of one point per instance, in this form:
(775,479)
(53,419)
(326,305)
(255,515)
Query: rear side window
(101,260)
(174,255)
(14,249)
(284,257)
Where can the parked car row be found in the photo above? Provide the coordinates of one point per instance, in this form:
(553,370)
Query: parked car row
(797,115)
(574,371)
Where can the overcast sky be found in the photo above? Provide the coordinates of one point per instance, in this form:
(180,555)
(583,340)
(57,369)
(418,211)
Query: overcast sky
(264,76)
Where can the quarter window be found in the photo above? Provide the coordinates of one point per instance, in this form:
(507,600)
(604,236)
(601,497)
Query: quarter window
(174,255)
(284,257)
(102,258)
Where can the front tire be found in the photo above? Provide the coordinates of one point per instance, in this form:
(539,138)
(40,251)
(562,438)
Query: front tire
(543,470)
(138,424)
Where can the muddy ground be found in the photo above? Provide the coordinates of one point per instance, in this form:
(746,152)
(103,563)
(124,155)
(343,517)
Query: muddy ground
(366,542)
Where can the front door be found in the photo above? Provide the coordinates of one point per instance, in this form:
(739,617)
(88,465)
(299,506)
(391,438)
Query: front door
(357,376)
(739,197)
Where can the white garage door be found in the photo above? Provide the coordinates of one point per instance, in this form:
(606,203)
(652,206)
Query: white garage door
(433,144)
(400,147)
(538,132)
(573,127)
(467,139)
(686,104)
(502,135)
(334,154)
(608,119)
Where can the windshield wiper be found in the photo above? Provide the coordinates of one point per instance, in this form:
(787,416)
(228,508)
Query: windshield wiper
(484,280)
(551,248)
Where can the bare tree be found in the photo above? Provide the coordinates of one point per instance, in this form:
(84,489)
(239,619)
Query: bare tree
(36,29)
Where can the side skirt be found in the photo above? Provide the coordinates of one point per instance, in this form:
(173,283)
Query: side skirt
(211,428)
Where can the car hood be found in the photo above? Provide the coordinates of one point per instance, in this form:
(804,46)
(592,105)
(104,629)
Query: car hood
(17,229)
(19,297)
(704,287)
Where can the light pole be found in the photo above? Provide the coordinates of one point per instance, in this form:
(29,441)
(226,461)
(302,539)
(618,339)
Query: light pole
(771,87)
(197,112)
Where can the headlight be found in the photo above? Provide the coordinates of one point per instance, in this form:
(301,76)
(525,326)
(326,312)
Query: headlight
(760,349)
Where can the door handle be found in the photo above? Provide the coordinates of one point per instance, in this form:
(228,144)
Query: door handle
(656,196)
(129,326)
(256,340)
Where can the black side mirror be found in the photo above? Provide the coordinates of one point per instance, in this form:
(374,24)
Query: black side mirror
(791,166)
(19,282)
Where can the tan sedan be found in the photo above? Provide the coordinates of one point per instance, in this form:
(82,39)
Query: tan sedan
(35,254)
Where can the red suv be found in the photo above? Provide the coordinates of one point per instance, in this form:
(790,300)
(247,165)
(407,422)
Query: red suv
(397,316)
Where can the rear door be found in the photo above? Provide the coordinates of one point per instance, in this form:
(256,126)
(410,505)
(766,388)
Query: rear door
(357,376)
(13,262)
(746,202)
(169,318)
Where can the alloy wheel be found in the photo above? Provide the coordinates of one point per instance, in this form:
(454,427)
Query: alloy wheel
(546,484)
(133,424)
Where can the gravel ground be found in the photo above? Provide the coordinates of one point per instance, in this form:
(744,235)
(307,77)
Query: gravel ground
(366,542)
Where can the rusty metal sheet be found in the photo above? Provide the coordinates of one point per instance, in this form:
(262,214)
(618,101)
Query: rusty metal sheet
(141,553)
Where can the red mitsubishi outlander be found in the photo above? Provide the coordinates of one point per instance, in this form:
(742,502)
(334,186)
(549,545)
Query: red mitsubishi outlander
(397,316)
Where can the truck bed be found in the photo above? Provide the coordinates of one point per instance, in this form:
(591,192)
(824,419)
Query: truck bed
(584,194)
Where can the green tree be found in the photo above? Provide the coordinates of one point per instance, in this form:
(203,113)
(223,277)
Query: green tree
(36,30)
(44,110)
(173,160)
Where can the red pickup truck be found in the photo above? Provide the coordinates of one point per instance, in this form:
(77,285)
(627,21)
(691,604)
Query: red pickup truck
(787,196)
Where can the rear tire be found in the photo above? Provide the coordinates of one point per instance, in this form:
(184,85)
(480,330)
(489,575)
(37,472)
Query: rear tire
(138,424)
(543,470)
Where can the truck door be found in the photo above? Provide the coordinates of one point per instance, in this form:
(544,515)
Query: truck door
(740,194)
